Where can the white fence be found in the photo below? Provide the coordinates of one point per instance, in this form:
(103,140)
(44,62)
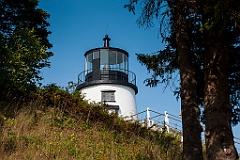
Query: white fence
(155,120)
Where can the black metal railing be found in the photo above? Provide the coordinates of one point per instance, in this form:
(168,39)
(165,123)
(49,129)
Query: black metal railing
(107,74)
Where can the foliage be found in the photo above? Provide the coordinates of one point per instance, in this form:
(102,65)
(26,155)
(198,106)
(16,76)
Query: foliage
(163,65)
(24,14)
(24,58)
(57,124)
(23,46)
(201,17)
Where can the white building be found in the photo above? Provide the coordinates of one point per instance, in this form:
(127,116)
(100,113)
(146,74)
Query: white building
(107,79)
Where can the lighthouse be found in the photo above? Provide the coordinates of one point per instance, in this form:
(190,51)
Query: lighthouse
(107,79)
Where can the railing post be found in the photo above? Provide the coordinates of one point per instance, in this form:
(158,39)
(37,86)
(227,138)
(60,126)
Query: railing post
(148,118)
(166,121)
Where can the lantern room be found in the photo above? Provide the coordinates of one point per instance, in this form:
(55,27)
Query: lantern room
(106,63)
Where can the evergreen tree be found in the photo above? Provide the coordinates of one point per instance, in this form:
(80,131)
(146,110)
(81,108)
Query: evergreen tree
(206,35)
(24,46)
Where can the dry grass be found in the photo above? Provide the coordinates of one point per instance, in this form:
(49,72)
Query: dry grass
(37,132)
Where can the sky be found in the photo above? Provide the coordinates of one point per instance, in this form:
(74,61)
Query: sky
(80,25)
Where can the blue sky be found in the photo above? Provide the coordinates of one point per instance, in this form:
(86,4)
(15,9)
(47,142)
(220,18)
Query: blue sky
(80,25)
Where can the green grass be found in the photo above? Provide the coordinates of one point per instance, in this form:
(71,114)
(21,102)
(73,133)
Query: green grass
(61,125)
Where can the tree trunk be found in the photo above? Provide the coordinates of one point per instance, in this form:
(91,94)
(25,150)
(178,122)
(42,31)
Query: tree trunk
(192,145)
(217,108)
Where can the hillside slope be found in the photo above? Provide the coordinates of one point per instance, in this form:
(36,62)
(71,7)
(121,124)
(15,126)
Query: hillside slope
(58,126)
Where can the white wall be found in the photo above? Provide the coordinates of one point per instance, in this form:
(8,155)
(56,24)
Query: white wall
(124,97)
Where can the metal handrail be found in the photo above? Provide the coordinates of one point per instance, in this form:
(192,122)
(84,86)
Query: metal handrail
(119,74)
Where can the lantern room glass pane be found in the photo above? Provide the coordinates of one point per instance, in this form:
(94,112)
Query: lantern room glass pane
(96,60)
(112,59)
(89,61)
(96,55)
(119,58)
(104,59)
(125,63)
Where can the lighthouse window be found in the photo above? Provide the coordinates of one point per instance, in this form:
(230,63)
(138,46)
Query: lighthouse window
(108,96)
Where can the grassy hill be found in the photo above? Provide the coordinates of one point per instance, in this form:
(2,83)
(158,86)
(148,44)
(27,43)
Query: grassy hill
(57,124)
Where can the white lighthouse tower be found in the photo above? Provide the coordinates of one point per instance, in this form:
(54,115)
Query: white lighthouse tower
(107,79)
